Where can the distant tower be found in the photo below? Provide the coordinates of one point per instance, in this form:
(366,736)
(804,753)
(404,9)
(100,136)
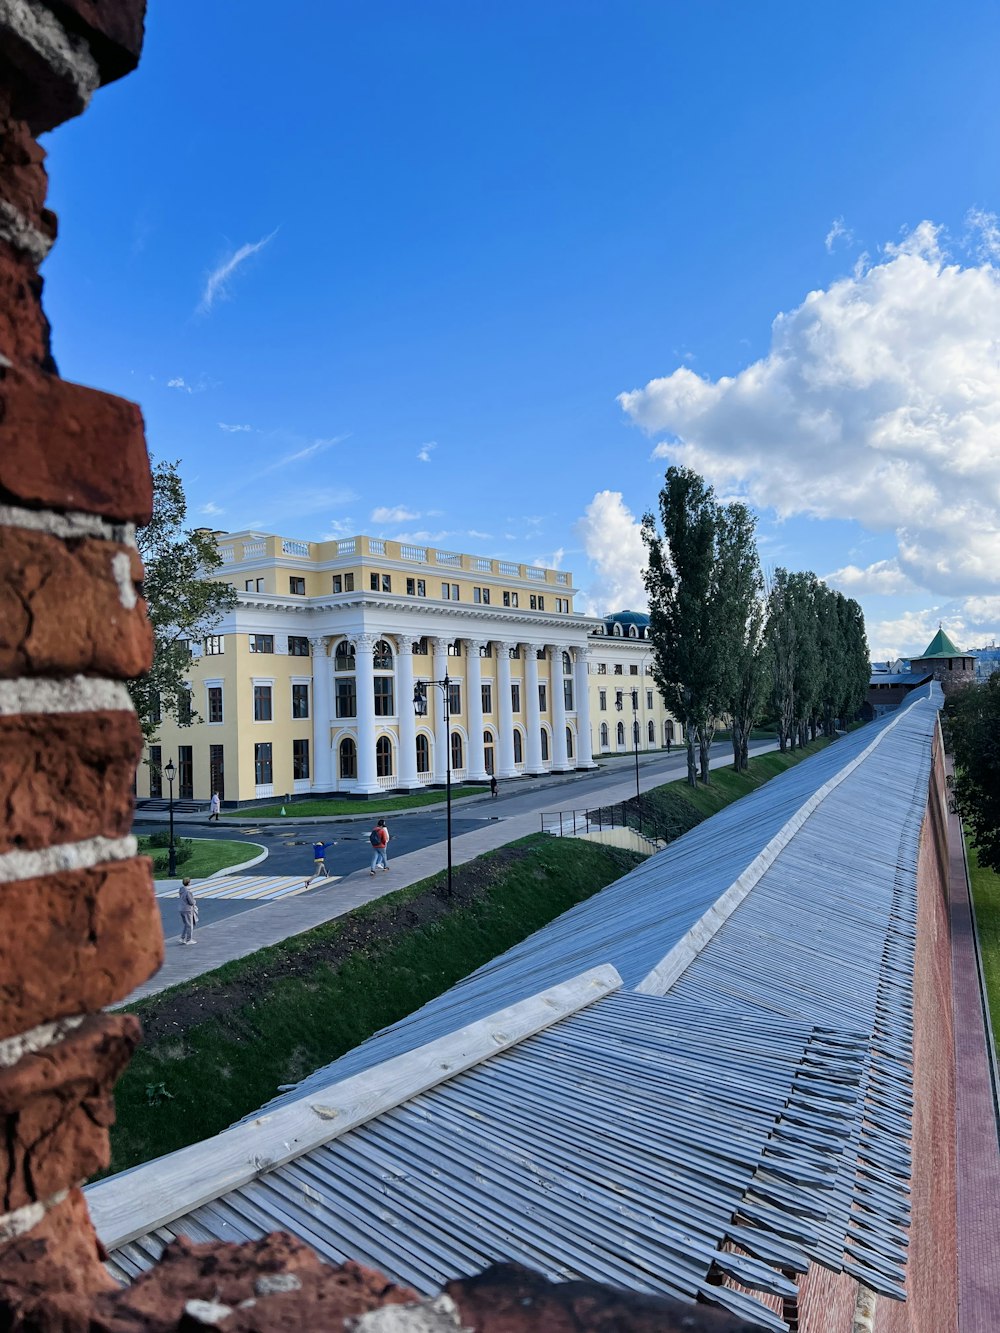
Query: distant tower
(950,667)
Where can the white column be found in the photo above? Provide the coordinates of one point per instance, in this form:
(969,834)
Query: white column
(407,757)
(584,747)
(435,709)
(559,760)
(322,706)
(476,763)
(364,647)
(505,727)
(533,749)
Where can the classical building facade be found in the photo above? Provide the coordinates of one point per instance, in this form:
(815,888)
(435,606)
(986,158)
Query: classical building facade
(308,685)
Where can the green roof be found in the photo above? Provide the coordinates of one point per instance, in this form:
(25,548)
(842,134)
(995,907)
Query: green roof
(940,646)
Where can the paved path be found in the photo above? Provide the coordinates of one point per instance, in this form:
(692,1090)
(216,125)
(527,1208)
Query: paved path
(272,922)
(977,1149)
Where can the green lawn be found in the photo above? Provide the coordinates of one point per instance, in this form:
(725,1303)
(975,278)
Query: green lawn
(986,896)
(209,856)
(182,1088)
(309,809)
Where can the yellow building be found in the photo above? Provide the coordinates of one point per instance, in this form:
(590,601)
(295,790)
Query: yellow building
(308,685)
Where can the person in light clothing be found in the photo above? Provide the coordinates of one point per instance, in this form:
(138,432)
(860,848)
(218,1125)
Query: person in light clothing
(189,912)
(214,806)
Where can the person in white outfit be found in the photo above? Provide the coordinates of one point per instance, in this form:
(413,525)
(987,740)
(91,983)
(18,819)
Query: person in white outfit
(189,912)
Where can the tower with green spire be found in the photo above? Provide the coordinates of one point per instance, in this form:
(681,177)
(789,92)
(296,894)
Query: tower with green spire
(952,668)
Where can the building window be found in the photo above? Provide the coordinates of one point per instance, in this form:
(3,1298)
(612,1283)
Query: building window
(383,757)
(300,702)
(262,643)
(343,583)
(545,746)
(185,711)
(217,769)
(383,656)
(487,693)
(562,604)
(373,581)
(262,703)
(344,658)
(449,592)
(488,751)
(456,751)
(454,697)
(383,697)
(381,582)
(515,653)
(300,759)
(518,748)
(185,772)
(262,764)
(348,758)
(156,708)
(602,668)
(215,703)
(253,585)
(635,733)
(420,647)
(569,744)
(297,586)
(298,646)
(605,743)
(214,645)
(668,733)
(619,700)
(633,669)
(542,697)
(621,733)
(486,650)
(416,588)
(651,733)
(510,599)
(618,669)
(568,694)
(455,648)
(155,770)
(481,595)
(567,665)
(536,603)
(423,754)
(515,696)
(602,700)
(346,698)
(649,698)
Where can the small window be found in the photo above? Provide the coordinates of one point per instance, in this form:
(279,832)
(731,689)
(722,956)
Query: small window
(515,697)
(185,710)
(651,733)
(568,694)
(487,693)
(423,754)
(621,733)
(449,592)
(262,703)
(533,602)
(262,643)
(297,586)
(215,703)
(477,595)
(488,752)
(605,743)
(300,701)
(454,697)
(649,698)
(383,757)
(486,650)
(420,647)
(542,697)
(383,696)
(338,583)
(545,746)
(456,751)
(569,743)
(510,599)
(618,669)
(155,708)
(602,696)
(518,748)
(515,653)
(382,656)
(344,658)
(386,583)
(300,759)
(633,669)
(348,583)
(346,697)
(416,588)
(602,668)
(348,758)
(263,767)
(298,646)
(455,648)
(373,581)
(155,770)
(215,645)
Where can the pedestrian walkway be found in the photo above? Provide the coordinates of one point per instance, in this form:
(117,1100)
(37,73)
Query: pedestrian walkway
(264,888)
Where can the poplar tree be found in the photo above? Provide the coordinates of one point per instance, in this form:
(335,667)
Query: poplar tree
(973,722)
(741,584)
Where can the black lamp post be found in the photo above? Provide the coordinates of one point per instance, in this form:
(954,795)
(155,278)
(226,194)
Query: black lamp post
(420,708)
(170,773)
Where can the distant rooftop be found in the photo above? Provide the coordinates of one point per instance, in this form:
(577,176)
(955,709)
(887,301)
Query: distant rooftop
(940,646)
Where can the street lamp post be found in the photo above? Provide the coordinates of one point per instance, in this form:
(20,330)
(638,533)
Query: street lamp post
(420,708)
(170,773)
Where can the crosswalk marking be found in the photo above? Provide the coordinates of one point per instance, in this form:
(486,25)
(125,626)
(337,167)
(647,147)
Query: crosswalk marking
(262,888)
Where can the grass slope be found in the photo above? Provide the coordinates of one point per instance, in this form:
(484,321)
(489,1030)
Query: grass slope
(210,855)
(986,896)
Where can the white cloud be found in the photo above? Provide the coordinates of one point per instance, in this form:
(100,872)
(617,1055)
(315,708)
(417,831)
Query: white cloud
(838,232)
(299,456)
(232,429)
(211,508)
(397,514)
(217,282)
(882,577)
(553,561)
(479,536)
(984,231)
(878,401)
(178,383)
(425,451)
(610,534)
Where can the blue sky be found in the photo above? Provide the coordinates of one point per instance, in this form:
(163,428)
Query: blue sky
(477,273)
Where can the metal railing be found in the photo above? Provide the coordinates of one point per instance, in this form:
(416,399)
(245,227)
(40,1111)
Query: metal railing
(624,815)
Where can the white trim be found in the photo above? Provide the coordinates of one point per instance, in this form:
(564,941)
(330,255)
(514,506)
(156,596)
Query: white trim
(78,694)
(66,856)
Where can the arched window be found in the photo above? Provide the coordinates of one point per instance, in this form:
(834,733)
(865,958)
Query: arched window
(545,745)
(518,748)
(621,733)
(617,631)
(383,656)
(343,659)
(383,757)
(633,633)
(348,758)
(668,732)
(423,754)
(488,751)
(651,732)
(605,743)
(569,744)
(567,665)
(456,750)
(635,733)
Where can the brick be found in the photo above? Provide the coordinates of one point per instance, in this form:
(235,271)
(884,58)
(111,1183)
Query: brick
(24,182)
(49,1277)
(113,32)
(57,1108)
(76,942)
(24,330)
(61,611)
(66,447)
(65,777)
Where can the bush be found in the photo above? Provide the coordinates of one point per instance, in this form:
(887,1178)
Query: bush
(183,851)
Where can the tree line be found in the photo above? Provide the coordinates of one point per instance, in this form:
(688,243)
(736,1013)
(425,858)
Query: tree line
(729,644)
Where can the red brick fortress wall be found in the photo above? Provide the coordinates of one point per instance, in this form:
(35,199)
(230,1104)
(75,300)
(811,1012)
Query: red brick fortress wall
(79,924)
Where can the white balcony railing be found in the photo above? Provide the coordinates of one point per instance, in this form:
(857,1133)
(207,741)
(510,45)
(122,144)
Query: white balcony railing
(376,546)
(483,565)
(348,547)
(263,790)
(449,558)
(508,568)
(562,578)
(414,553)
(227,555)
(250,549)
(289,546)
(533,572)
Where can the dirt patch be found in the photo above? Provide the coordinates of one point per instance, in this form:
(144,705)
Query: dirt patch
(167,1018)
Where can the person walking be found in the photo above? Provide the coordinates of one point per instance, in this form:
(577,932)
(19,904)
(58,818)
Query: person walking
(493,785)
(379,839)
(214,806)
(189,912)
(319,860)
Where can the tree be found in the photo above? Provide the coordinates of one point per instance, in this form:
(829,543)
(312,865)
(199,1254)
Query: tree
(183,603)
(973,717)
(685,606)
(740,584)
(780,637)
